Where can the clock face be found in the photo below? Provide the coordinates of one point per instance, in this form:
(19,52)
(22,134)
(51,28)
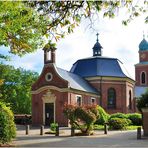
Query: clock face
(143,56)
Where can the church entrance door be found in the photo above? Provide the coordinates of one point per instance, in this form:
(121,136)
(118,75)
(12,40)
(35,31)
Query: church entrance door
(49,113)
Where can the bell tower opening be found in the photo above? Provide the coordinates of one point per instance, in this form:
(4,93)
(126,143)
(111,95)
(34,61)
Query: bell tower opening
(97,48)
(49,54)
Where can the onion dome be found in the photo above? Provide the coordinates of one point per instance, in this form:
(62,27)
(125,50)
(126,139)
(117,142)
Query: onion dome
(143,46)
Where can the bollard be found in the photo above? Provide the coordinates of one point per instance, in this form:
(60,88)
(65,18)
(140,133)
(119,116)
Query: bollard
(139,133)
(42,130)
(105,128)
(72,131)
(57,131)
(27,129)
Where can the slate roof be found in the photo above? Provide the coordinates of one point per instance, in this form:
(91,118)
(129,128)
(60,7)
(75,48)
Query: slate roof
(76,82)
(139,90)
(99,66)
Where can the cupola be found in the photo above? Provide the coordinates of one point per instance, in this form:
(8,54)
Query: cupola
(47,49)
(97,48)
(143,46)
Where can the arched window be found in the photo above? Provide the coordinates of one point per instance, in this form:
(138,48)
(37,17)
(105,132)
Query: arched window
(130,99)
(143,78)
(111,98)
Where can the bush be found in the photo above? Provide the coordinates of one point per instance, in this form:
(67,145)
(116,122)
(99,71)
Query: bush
(119,123)
(103,116)
(118,115)
(7,126)
(53,126)
(136,118)
(82,117)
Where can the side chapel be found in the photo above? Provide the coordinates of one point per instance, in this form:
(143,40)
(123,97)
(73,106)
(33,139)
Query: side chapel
(94,80)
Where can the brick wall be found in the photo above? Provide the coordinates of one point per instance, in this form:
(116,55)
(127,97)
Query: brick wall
(122,97)
(138,70)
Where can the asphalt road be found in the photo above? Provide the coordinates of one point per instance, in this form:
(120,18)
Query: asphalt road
(112,139)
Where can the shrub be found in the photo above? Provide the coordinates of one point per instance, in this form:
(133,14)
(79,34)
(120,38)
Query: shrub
(118,115)
(119,123)
(53,126)
(7,126)
(82,117)
(136,118)
(103,116)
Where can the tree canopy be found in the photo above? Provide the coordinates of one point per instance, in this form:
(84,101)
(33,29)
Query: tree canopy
(26,26)
(16,88)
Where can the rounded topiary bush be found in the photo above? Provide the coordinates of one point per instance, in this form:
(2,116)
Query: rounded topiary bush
(118,115)
(7,125)
(136,118)
(118,123)
(103,116)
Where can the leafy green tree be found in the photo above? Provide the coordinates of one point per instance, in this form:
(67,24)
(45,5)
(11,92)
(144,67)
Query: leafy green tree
(26,25)
(16,87)
(142,102)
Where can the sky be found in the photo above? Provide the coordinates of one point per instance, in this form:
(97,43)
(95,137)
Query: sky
(117,40)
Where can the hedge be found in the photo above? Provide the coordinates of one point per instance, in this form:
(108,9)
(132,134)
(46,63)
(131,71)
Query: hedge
(119,123)
(7,125)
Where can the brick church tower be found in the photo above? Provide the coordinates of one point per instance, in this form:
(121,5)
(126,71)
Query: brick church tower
(141,69)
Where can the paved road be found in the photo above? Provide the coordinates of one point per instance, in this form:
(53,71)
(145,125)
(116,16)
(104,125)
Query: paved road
(113,139)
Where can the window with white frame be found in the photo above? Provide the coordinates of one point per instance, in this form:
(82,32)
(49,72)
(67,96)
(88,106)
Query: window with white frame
(93,101)
(79,100)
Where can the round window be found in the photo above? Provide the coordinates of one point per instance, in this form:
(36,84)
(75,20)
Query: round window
(48,77)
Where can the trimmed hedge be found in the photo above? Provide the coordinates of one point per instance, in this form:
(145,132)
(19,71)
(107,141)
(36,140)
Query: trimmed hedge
(136,118)
(7,125)
(119,123)
(118,115)
(103,116)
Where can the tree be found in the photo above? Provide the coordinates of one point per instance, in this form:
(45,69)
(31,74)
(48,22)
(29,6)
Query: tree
(82,117)
(142,102)
(26,25)
(16,88)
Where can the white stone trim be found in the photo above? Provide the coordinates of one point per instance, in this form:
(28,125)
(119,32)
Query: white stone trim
(77,99)
(70,90)
(46,77)
(48,98)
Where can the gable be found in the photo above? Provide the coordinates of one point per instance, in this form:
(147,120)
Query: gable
(50,77)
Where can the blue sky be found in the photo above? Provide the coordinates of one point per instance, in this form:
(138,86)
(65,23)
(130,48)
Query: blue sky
(118,41)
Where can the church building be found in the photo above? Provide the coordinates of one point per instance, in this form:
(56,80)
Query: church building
(141,69)
(94,80)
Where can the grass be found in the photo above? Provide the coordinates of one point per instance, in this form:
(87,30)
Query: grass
(101,127)
(132,127)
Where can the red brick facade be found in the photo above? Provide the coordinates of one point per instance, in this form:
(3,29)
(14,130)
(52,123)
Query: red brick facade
(122,87)
(51,91)
(58,88)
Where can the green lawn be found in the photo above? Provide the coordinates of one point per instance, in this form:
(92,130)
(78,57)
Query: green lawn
(101,127)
